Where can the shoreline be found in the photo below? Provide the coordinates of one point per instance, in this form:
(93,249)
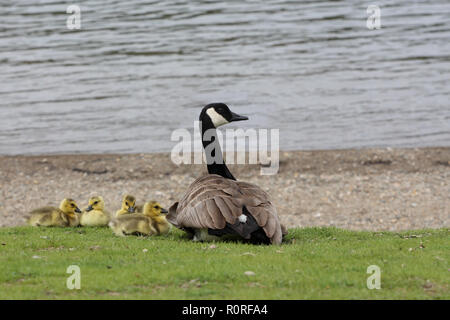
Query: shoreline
(107,153)
(359,189)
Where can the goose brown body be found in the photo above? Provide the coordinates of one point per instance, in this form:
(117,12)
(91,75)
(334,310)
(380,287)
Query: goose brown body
(216,203)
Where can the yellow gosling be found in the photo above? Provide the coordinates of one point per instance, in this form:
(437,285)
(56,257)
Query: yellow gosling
(95,214)
(132,224)
(64,216)
(157,213)
(139,208)
(128,205)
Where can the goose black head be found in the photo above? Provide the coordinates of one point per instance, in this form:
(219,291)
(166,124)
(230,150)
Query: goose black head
(219,114)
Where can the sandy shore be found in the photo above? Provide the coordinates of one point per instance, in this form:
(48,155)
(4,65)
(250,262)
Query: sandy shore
(369,189)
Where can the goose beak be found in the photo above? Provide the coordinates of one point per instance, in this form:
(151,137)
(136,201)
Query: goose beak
(164,211)
(77,210)
(89,209)
(131,209)
(237,117)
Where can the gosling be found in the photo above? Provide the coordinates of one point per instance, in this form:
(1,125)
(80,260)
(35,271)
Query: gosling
(64,216)
(154,210)
(128,205)
(147,224)
(95,214)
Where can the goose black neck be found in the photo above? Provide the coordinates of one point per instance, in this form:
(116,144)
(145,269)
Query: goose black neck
(213,152)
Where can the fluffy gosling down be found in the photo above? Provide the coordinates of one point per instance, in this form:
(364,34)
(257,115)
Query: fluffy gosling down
(95,214)
(64,216)
(154,210)
(128,205)
(149,223)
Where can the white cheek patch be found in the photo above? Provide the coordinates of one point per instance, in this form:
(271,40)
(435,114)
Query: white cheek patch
(216,118)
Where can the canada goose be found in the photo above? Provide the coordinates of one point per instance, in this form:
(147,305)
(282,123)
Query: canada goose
(64,216)
(95,214)
(128,205)
(157,213)
(216,204)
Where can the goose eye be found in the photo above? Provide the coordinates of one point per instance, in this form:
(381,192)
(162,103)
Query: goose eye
(96,202)
(72,205)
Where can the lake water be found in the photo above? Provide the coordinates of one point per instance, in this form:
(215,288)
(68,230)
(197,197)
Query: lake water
(137,70)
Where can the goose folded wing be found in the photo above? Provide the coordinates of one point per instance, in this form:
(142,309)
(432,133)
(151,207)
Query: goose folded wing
(207,210)
(263,211)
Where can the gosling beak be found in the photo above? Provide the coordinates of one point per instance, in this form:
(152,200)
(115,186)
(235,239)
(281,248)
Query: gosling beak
(89,209)
(237,117)
(77,210)
(131,209)
(164,210)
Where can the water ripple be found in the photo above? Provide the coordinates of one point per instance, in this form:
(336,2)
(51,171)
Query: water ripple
(139,69)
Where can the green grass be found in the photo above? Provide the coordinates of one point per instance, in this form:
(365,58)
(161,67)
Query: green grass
(314,263)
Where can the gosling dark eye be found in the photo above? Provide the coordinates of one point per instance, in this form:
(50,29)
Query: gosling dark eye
(96,202)
(157,207)
(72,205)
